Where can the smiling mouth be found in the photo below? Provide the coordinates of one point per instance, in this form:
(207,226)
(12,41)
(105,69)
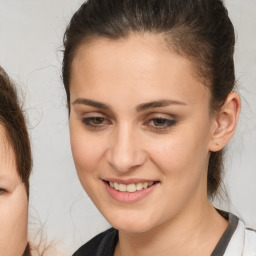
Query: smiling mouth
(131,188)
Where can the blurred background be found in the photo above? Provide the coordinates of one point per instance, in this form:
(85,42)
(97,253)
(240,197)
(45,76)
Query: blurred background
(31,33)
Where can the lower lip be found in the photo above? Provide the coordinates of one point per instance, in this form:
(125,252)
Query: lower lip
(128,197)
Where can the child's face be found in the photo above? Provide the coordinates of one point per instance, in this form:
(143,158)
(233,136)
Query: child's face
(139,115)
(13,203)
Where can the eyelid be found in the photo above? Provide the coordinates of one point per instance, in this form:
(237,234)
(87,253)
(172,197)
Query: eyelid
(92,114)
(103,114)
(95,115)
(160,115)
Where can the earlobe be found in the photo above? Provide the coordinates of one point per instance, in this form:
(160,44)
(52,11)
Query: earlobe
(225,122)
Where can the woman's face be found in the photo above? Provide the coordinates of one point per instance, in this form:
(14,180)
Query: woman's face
(13,203)
(140,131)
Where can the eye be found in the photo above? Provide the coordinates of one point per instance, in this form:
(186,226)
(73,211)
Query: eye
(95,122)
(160,123)
(2,191)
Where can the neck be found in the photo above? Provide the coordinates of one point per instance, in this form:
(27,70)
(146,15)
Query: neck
(193,232)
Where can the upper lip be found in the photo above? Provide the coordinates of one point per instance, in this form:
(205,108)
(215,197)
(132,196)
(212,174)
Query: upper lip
(129,181)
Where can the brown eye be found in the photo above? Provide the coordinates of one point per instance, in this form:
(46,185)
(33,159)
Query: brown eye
(2,191)
(95,122)
(161,122)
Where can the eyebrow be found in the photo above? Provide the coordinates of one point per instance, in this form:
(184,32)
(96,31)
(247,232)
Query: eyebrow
(158,104)
(139,108)
(91,103)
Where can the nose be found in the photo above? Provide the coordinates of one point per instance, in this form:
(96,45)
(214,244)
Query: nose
(125,152)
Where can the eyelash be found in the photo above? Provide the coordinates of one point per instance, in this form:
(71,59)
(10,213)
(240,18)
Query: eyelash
(2,191)
(165,123)
(90,122)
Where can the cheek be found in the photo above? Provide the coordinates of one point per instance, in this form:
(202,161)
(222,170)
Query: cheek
(86,149)
(14,222)
(182,155)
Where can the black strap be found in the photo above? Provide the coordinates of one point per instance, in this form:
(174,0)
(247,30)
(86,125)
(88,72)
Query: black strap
(225,239)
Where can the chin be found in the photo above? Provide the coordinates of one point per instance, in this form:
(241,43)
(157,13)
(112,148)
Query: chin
(130,223)
(132,228)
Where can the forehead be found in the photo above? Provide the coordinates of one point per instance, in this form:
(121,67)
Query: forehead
(139,62)
(135,55)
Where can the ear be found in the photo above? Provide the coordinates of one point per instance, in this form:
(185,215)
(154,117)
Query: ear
(225,122)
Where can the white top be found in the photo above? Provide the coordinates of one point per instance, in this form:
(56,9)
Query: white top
(242,242)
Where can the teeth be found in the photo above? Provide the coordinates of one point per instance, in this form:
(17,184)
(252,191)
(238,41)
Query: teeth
(116,186)
(130,187)
(145,185)
(139,186)
(122,187)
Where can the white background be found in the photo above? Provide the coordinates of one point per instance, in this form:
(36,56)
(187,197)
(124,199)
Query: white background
(31,34)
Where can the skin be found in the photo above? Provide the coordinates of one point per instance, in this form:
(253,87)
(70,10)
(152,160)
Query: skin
(169,144)
(13,203)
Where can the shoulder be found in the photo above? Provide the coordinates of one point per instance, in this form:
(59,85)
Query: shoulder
(250,242)
(101,245)
(243,241)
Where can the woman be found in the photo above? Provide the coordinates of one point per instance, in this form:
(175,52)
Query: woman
(150,92)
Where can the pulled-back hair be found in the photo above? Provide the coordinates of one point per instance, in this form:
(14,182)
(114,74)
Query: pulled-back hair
(199,30)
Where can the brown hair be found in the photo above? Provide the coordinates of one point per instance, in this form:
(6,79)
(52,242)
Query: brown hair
(27,251)
(197,29)
(12,119)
